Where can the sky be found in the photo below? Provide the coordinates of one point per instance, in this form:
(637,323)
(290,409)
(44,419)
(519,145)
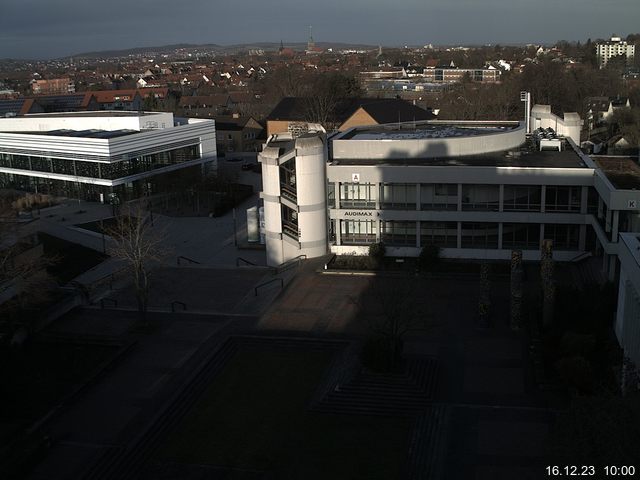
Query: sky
(59,28)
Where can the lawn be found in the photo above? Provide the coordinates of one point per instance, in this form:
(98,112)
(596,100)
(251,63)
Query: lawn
(254,415)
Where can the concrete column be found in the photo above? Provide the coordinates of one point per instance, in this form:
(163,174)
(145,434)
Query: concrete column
(418,239)
(459,202)
(614,226)
(582,238)
(336,189)
(418,197)
(338,231)
(543,198)
(378,189)
(600,207)
(501,206)
(613,262)
(584,198)
(459,240)
(541,234)
(500,224)
(607,222)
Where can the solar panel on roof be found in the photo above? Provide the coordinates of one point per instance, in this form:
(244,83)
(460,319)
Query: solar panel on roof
(10,106)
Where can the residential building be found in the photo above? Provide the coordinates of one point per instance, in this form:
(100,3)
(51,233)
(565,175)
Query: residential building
(95,155)
(613,48)
(52,86)
(235,134)
(129,100)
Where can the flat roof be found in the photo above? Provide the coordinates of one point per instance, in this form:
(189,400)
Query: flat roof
(103,134)
(522,158)
(622,172)
(425,130)
(102,113)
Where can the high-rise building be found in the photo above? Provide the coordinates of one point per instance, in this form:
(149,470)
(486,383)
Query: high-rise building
(613,48)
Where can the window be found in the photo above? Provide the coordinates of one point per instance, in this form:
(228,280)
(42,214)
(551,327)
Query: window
(564,237)
(562,199)
(398,233)
(331,195)
(441,234)
(522,198)
(288,180)
(398,196)
(521,235)
(439,196)
(357,232)
(357,195)
(481,197)
(290,222)
(479,235)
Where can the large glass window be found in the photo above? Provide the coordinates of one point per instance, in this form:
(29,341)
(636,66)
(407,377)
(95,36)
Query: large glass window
(64,167)
(87,169)
(481,197)
(521,235)
(290,222)
(439,196)
(20,162)
(565,237)
(357,232)
(357,195)
(145,163)
(399,233)
(331,195)
(479,235)
(562,199)
(288,179)
(522,198)
(399,196)
(441,234)
(5,160)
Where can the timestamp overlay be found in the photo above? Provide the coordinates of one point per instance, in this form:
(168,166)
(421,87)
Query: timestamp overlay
(622,471)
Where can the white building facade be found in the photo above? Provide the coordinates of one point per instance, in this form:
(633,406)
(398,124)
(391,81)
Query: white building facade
(476,190)
(613,48)
(94,154)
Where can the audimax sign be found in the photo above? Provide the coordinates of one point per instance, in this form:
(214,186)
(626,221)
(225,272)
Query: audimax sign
(361,214)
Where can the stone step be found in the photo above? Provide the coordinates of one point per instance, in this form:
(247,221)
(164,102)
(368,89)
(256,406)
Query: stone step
(428,444)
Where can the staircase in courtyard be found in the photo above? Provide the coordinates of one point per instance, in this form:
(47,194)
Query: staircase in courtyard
(371,393)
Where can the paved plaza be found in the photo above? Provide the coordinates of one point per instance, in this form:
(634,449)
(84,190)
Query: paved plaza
(493,422)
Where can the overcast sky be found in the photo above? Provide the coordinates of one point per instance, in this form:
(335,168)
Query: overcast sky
(57,28)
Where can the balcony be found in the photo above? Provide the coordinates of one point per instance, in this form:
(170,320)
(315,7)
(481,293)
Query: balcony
(289,192)
(290,229)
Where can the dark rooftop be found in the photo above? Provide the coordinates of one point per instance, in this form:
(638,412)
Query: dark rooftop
(623,172)
(102,134)
(522,159)
(423,130)
(380,109)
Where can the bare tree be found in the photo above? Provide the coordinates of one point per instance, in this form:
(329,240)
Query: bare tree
(140,245)
(328,93)
(393,308)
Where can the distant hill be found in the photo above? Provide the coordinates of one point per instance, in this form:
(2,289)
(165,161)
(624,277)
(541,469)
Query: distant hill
(141,50)
(268,46)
